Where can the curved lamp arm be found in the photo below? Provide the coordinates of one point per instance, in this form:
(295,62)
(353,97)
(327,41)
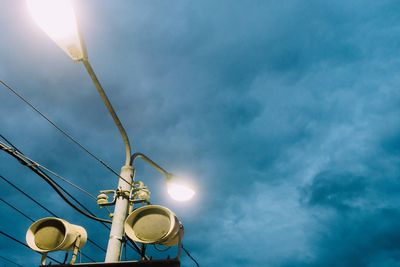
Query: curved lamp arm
(110,108)
(160,169)
(178,191)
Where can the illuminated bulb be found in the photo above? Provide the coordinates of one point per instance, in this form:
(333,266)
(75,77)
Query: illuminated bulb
(57,19)
(180,192)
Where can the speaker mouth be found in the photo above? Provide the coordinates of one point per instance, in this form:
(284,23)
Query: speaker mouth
(153,224)
(52,234)
(49,235)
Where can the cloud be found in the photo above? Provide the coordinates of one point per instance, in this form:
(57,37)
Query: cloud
(285,112)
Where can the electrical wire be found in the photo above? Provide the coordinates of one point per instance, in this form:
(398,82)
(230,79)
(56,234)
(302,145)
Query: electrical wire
(53,184)
(43,207)
(25,245)
(59,190)
(28,196)
(31,165)
(160,249)
(13,262)
(30,219)
(36,202)
(68,136)
(67,181)
(39,165)
(8,142)
(17,210)
(55,174)
(77,201)
(190,256)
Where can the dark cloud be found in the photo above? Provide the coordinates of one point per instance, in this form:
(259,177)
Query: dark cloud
(340,191)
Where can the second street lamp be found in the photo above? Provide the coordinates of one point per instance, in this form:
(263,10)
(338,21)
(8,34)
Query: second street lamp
(57,19)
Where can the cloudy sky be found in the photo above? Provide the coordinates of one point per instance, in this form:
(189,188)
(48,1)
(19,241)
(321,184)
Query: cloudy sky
(284,114)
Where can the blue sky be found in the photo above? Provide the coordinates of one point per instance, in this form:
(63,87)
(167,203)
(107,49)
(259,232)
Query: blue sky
(284,114)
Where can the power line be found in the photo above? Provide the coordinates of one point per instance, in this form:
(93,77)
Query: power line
(25,245)
(64,132)
(67,181)
(132,244)
(13,262)
(32,220)
(68,136)
(135,246)
(35,167)
(8,142)
(59,190)
(54,173)
(43,207)
(28,196)
(190,256)
(17,210)
(31,165)
(47,179)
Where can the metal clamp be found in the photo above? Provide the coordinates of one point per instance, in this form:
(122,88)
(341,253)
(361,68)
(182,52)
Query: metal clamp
(139,193)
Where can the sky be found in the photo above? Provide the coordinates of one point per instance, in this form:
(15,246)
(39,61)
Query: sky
(284,115)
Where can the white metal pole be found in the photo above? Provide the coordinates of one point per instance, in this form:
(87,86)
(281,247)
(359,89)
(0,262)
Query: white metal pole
(120,213)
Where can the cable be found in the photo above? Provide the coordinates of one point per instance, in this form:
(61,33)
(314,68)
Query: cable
(55,186)
(160,249)
(34,166)
(135,246)
(25,245)
(37,165)
(50,171)
(13,262)
(30,219)
(70,183)
(47,179)
(55,174)
(77,201)
(190,256)
(64,132)
(67,181)
(65,258)
(8,142)
(28,196)
(17,210)
(43,207)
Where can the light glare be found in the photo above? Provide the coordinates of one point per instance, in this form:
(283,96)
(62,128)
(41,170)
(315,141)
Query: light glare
(57,19)
(180,192)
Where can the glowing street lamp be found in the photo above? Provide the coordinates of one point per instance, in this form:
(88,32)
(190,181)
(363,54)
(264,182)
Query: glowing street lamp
(57,19)
(180,192)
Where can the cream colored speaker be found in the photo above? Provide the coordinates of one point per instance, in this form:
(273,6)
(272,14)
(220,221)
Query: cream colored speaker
(52,234)
(153,224)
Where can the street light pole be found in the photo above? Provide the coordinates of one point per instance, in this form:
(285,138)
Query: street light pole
(57,19)
(121,209)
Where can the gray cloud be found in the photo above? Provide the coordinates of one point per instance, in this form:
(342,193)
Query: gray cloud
(284,114)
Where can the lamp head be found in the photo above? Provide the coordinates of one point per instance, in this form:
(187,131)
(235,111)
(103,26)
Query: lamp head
(57,19)
(178,190)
